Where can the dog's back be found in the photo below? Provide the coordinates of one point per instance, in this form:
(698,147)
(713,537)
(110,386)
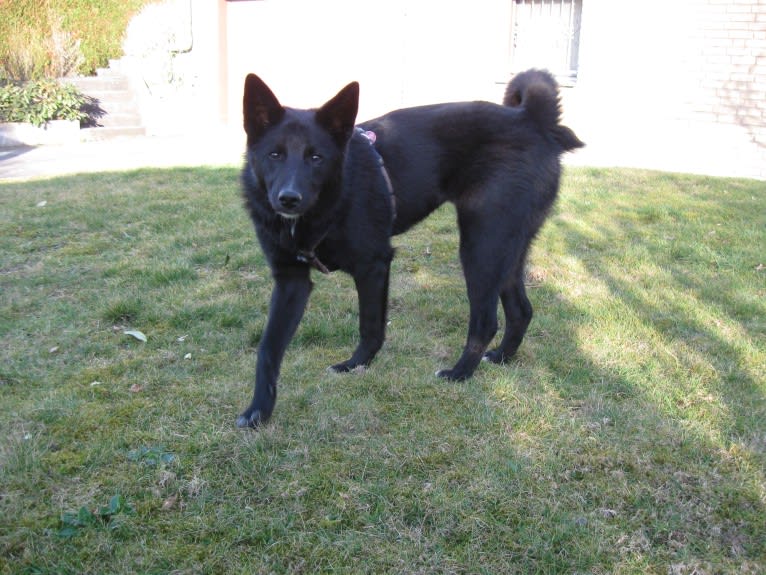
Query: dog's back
(447,152)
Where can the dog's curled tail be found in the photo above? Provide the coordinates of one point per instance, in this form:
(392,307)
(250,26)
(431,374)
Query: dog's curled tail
(538,93)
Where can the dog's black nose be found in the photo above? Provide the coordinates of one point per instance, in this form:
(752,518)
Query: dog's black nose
(289,199)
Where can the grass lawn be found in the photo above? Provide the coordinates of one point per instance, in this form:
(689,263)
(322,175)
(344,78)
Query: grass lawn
(628,436)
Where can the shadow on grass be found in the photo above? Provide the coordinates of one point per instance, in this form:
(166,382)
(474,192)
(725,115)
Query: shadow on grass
(674,443)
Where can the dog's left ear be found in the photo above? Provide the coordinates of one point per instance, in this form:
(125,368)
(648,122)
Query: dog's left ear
(338,116)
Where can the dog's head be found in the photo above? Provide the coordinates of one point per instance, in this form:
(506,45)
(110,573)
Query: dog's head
(295,155)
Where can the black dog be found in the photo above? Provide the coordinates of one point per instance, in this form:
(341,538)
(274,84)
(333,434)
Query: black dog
(327,195)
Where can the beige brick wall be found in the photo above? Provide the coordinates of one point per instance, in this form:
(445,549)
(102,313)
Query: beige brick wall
(673,85)
(732,79)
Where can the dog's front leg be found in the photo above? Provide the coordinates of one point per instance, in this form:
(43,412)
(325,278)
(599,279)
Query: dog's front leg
(372,289)
(288,302)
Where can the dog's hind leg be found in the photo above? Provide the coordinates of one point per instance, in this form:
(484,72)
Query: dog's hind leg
(518,314)
(372,289)
(482,327)
(483,294)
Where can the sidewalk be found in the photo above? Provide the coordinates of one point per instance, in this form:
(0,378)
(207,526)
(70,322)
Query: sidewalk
(226,146)
(217,148)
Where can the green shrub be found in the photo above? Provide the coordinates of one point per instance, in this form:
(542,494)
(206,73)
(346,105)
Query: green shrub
(40,101)
(53,38)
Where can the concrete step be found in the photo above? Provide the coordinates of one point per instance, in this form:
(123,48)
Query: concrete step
(107,83)
(111,95)
(112,120)
(112,105)
(114,114)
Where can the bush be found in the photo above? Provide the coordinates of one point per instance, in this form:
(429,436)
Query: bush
(54,38)
(41,101)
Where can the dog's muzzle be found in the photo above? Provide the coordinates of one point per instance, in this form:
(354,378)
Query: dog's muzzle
(288,203)
(289,199)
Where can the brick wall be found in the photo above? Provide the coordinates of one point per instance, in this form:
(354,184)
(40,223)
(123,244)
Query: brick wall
(677,86)
(731,36)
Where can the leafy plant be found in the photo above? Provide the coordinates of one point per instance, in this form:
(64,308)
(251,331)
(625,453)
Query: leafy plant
(73,523)
(151,456)
(40,101)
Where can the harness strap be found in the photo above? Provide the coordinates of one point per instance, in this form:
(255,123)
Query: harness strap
(309,257)
(372,138)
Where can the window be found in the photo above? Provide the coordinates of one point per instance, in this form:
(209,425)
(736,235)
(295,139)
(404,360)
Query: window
(546,34)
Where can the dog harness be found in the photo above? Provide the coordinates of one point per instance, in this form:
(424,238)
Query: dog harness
(309,256)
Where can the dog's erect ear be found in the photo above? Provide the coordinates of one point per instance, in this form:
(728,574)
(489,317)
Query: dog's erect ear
(338,116)
(260,108)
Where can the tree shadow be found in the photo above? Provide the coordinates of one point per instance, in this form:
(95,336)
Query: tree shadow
(92,107)
(687,458)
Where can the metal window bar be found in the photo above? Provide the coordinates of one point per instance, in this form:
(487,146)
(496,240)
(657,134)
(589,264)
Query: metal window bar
(546,34)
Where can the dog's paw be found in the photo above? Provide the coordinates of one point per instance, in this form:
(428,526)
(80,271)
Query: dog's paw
(495,356)
(347,367)
(452,375)
(251,419)
(342,367)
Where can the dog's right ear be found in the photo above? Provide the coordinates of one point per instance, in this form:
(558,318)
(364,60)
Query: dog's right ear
(260,108)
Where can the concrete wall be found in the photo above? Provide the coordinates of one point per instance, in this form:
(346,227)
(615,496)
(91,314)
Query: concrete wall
(175,58)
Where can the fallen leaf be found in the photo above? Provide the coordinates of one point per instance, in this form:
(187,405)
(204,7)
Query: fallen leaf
(170,503)
(95,383)
(187,356)
(135,333)
(136,388)
(54,349)
(42,204)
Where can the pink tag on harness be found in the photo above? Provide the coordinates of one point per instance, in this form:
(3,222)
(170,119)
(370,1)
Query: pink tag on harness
(370,136)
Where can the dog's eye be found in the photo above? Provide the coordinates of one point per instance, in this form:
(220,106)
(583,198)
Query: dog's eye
(316,159)
(276,155)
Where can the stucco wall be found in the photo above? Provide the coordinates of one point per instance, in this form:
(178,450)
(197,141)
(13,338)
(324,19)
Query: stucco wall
(403,53)
(669,85)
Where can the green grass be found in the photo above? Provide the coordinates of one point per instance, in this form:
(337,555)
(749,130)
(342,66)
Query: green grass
(628,436)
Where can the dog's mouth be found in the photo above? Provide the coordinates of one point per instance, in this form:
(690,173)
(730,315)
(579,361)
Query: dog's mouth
(288,212)
(291,221)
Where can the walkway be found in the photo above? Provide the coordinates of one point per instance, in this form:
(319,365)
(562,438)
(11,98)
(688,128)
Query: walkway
(219,148)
